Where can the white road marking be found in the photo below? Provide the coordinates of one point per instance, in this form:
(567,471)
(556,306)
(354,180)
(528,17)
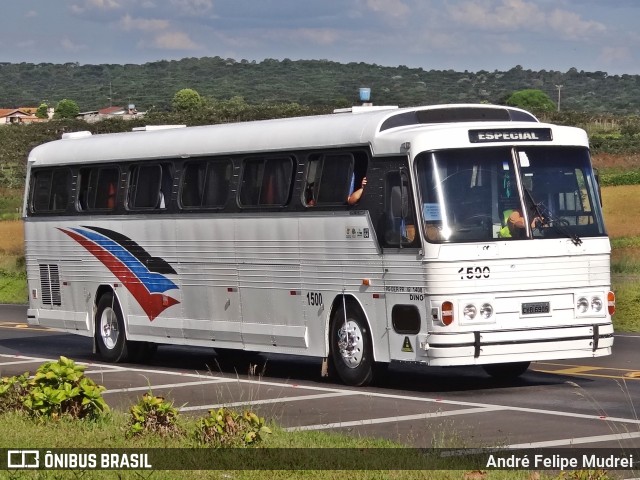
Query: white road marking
(601,418)
(17,362)
(35,359)
(264,401)
(401,418)
(577,441)
(473,406)
(151,388)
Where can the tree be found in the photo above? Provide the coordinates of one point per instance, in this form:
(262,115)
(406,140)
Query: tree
(66,109)
(531,99)
(186,100)
(43,111)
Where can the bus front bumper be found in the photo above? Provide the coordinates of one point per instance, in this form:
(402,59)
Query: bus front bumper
(506,346)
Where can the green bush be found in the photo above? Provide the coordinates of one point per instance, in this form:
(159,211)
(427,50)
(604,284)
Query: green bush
(613,179)
(154,414)
(13,391)
(226,428)
(61,388)
(57,389)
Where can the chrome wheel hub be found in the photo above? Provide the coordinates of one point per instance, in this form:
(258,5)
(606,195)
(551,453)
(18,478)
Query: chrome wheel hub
(350,344)
(109,328)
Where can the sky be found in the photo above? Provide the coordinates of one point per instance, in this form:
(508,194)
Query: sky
(474,35)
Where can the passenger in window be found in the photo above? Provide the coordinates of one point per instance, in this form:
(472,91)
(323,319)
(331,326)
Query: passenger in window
(356,193)
(111,196)
(309,195)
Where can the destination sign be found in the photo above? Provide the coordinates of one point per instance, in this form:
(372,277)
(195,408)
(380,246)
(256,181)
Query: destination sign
(511,135)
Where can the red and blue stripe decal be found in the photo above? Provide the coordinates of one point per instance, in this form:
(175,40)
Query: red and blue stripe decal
(140,273)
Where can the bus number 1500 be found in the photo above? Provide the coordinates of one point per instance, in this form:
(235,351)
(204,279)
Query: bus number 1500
(474,272)
(314,298)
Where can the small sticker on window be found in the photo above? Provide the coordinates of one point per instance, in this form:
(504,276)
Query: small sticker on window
(431,212)
(524,159)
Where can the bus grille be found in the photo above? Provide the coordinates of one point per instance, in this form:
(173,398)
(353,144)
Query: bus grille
(50,285)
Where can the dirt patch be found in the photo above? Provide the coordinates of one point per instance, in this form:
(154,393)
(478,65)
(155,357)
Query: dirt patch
(629,161)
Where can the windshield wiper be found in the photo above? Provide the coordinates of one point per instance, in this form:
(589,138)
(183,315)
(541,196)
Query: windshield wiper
(544,217)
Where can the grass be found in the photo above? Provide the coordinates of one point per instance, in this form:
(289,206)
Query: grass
(621,208)
(20,431)
(10,203)
(13,280)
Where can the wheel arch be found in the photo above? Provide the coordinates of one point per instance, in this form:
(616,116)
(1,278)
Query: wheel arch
(351,301)
(100,291)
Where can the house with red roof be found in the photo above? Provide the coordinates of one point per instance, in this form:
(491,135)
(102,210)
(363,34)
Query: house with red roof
(19,115)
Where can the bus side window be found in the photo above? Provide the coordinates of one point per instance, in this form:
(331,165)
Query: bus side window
(41,190)
(50,191)
(266,182)
(59,190)
(399,212)
(84,177)
(106,188)
(144,186)
(328,178)
(205,184)
(216,189)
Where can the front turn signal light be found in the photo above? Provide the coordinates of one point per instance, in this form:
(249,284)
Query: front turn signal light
(447,313)
(611,302)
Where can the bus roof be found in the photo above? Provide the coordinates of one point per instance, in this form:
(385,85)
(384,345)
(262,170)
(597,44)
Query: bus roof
(359,127)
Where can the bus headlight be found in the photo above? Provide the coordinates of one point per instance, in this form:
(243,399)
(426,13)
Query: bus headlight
(596,304)
(486,310)
(469,311)
(582,305)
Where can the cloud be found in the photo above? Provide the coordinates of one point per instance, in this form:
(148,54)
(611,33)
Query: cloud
(128,23)
(68,45)
(615,55)
(522,15)
(393,8)
(572,26)
(89,5)
(317,36)
(26,44)
(31,14)
(193,8)
(174,41)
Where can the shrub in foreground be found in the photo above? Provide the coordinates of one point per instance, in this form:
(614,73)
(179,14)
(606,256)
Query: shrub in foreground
(154,414)
(57,388)
(226,428)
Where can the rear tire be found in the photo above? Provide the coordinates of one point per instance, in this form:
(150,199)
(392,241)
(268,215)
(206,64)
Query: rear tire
(506,371)
(110,334)
(351,350)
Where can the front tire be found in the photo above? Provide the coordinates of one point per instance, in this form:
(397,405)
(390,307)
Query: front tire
(351,350)
(110,334)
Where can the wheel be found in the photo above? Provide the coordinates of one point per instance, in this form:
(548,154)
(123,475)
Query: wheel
(110,335)
(351,350)
(506,371)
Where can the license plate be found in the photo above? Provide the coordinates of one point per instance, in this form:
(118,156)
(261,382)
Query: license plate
(535,308)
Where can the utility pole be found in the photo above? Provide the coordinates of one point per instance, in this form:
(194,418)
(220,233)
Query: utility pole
(559,87)
(110,97)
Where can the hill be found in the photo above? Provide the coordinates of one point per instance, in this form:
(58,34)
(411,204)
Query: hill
(307,82)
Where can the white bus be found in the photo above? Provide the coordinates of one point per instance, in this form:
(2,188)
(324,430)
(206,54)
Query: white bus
(478,239)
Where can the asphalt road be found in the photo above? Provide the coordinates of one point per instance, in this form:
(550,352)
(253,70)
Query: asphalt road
(586,402)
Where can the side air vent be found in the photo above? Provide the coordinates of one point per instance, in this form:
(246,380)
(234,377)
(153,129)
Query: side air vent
(50,285)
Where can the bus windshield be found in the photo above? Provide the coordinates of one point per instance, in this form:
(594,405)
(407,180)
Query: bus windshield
(477,195)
